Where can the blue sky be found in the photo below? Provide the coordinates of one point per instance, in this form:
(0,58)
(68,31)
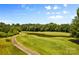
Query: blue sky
(37,13)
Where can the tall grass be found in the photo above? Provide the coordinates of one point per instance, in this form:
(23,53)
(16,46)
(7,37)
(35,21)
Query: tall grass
(7,48)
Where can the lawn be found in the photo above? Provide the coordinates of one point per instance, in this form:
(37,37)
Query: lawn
(49,43)
(7,48)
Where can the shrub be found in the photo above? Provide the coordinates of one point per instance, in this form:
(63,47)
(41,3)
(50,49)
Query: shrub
(3,34)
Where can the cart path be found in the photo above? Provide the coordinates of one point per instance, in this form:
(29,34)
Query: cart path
(22,47)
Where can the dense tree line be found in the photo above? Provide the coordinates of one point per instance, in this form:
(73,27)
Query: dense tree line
(46,27)
(9,30)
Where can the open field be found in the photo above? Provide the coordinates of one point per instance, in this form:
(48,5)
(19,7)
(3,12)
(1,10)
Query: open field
(7,48)
(45,43)
(55,43)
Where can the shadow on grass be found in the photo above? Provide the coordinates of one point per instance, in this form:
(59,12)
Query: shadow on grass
(45,35)
(74,41)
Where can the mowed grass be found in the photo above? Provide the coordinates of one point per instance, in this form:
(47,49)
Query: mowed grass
(50,34)
(49,43)
(7,48)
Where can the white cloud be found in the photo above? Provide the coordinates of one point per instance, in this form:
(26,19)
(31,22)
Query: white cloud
(48,13)
(65,12)
(51,17)
(59,16)
(55,7)
(53,12)
(72,16)
(55,17)
(48,7)
(65,5)
(5,21)
(58,12)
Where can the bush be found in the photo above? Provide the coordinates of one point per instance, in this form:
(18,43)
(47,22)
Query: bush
(8,40)
(3,34)
(9,34)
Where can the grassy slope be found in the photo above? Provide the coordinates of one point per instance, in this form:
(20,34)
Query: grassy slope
(49,45)
(6,48)
(50,34)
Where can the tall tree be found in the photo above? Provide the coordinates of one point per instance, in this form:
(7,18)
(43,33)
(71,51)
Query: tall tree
(75,25)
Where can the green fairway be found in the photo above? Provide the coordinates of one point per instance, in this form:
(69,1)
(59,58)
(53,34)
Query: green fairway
(55,43)
(7,48)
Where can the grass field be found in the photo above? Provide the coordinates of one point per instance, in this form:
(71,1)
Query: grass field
(55,43)
(6,47)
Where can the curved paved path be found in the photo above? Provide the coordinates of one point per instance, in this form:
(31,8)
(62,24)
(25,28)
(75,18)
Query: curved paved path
(23,48)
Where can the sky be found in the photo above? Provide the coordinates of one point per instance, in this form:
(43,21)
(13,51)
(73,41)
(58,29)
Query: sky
(37,13)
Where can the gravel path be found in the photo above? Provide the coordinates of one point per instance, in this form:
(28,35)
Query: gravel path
(23,48)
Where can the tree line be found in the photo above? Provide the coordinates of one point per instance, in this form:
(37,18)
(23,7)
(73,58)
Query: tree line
(10,30)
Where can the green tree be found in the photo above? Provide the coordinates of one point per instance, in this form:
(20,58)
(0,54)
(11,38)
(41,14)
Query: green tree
(78,12)
(75,25)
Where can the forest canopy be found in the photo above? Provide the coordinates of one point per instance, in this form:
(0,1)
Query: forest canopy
(9,30)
